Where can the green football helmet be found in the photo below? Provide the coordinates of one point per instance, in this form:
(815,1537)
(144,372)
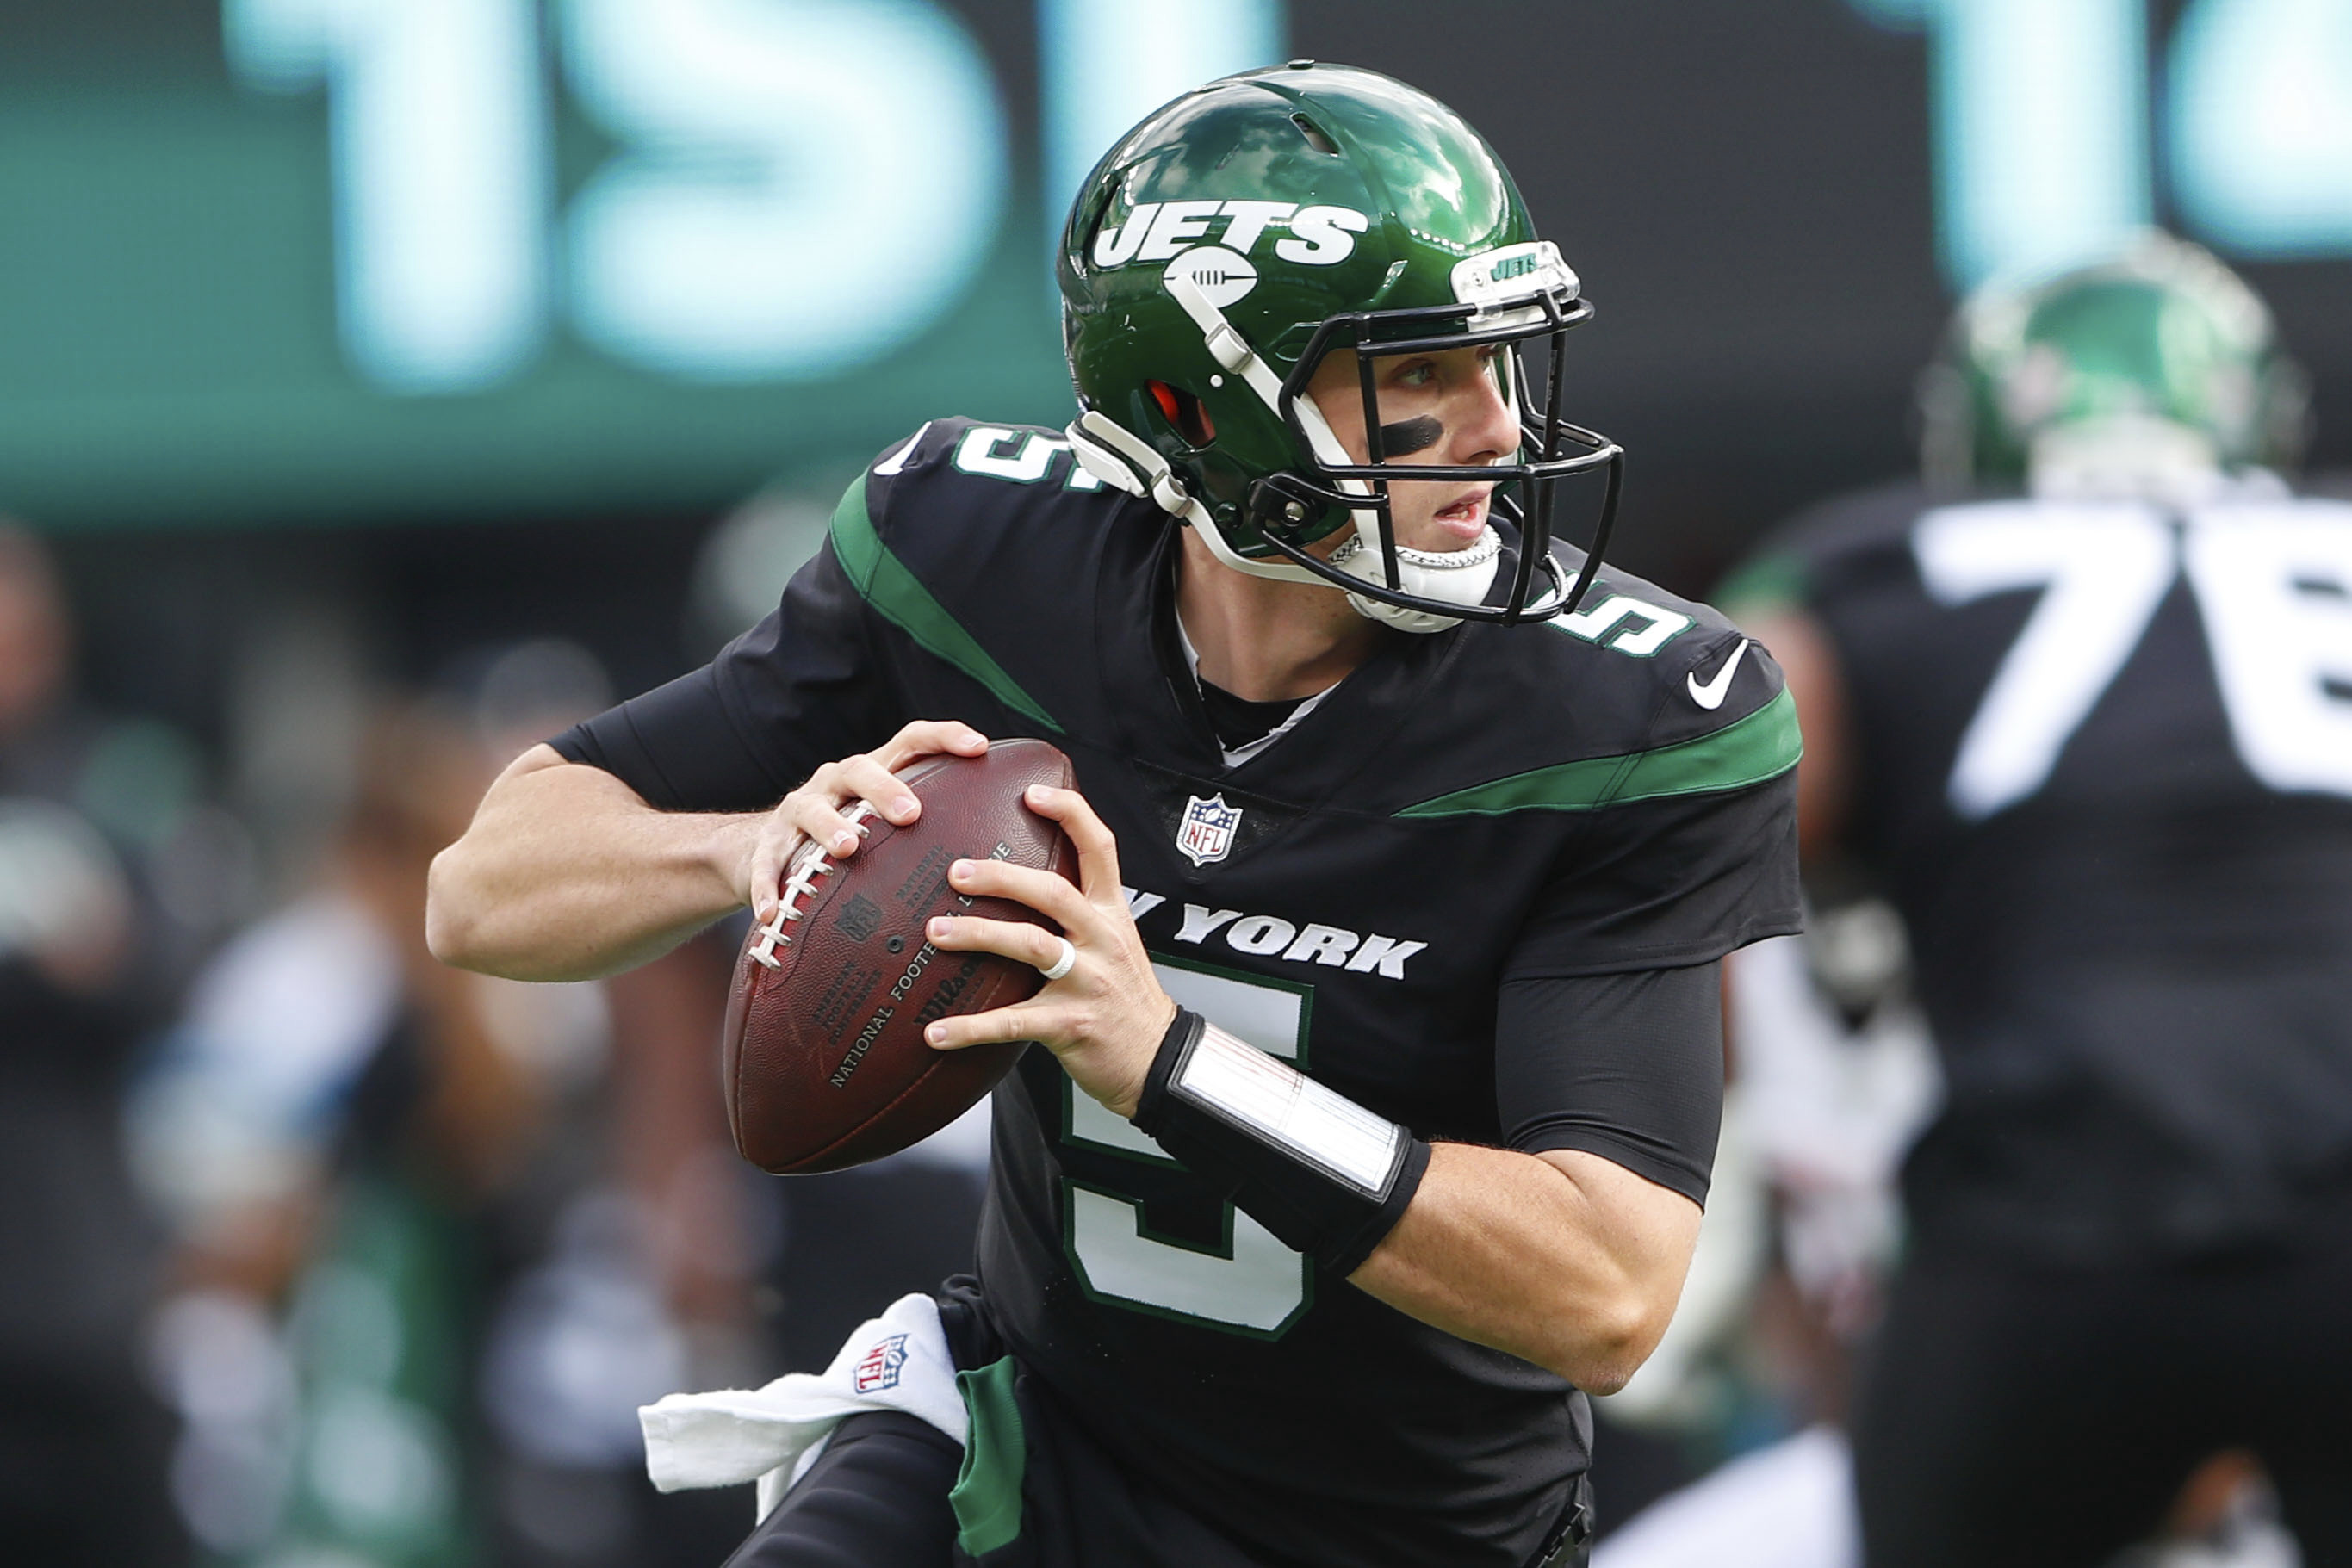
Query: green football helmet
(2154,372)
(1245,232)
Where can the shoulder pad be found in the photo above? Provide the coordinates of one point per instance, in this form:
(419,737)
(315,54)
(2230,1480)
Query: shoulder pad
(1002,464)
(1638,694)
(955,501)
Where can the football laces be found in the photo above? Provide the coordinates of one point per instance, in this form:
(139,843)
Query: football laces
(806,866)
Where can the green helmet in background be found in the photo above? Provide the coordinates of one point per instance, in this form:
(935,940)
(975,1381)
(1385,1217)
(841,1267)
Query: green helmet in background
(1245,232)
(2156,373)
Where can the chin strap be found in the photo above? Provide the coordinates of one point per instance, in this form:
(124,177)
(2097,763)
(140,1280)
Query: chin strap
(1456,577)
(1116,456)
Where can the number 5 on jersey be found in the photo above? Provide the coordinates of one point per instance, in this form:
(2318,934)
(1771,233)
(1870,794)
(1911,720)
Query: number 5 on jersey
(1254,1284)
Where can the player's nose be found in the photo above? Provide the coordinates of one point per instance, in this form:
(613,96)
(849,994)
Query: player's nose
(1485,430)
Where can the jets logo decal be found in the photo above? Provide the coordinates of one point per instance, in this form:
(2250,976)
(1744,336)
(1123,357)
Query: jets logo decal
(1513,274)
(1161,231)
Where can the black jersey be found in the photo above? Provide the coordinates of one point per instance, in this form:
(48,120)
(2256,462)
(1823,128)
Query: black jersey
(1604,794)
(2104,760)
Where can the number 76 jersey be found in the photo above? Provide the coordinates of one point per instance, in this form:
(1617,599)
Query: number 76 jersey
(2102,758)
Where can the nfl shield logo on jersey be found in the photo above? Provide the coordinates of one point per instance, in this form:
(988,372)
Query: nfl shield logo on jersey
(1206,833)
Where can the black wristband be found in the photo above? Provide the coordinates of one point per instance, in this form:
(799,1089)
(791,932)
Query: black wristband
(1327,1176)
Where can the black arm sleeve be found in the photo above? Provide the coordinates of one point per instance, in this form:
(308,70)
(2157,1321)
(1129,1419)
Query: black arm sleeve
(1628,1067)
(675,746)
(804,687)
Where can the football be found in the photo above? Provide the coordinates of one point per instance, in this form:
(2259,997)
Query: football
(825,1062)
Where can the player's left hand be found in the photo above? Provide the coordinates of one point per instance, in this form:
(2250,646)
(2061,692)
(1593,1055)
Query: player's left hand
(1105,1018)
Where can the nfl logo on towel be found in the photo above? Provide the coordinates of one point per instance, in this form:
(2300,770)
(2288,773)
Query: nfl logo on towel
(1206,833)
(879,1367)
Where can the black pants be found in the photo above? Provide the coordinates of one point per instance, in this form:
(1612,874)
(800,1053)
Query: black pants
(877,1497)
(2033,1415)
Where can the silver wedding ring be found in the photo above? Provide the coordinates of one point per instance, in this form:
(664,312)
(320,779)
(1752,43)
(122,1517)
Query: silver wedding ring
(1062,965)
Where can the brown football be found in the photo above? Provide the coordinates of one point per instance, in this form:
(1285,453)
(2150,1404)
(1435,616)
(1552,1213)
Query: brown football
(823,1054)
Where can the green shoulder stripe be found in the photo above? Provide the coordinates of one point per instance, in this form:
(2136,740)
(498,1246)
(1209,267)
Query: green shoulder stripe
(1760,746)
(896,595)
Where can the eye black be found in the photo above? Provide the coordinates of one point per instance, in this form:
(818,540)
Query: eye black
(1407,436)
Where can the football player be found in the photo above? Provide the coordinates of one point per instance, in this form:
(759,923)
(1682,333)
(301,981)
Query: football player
(1390,806)
(2083,707)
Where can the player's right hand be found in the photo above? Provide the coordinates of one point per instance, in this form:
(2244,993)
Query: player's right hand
(814,811)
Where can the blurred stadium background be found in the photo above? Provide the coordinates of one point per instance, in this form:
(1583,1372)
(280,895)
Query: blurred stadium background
(392,381)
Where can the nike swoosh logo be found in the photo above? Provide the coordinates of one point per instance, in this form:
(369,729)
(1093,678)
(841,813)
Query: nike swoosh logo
(1710,695)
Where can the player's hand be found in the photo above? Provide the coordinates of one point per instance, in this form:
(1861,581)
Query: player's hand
(1103,1019)
(815,810)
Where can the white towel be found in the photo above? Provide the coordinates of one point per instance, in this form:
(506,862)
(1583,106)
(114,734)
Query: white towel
(898,1360)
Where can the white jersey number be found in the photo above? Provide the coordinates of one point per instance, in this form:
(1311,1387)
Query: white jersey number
(2274,583)
(1255,1284)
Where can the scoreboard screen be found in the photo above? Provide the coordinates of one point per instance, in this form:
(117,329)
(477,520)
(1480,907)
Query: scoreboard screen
(283,262)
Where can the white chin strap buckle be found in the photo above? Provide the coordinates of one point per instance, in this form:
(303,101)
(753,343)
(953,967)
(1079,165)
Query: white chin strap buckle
(1452,577)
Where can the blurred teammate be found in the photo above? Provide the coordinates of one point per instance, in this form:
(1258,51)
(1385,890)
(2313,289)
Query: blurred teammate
(82,1441)
(2085,712)
(489,1219)
(1379,806)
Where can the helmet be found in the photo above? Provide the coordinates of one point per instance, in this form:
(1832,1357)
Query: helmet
(2151,371)
(1250,229)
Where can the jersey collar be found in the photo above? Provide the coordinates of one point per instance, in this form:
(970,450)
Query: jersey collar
(1154,703)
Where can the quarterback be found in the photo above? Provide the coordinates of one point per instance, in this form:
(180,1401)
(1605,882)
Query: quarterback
(1386,800)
